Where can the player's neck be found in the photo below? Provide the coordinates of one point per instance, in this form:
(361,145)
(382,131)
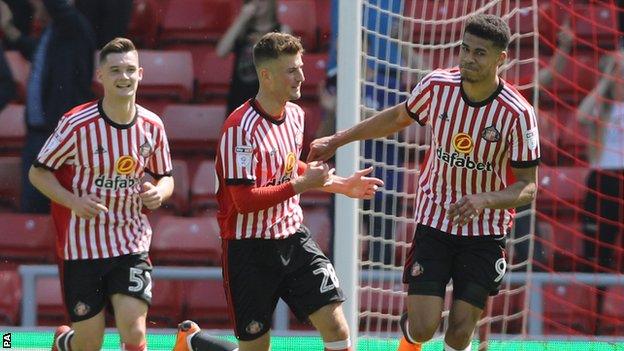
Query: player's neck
(269,104)
(479,91)
(120,111)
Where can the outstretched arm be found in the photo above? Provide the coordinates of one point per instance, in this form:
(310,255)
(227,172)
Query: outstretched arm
(380,125)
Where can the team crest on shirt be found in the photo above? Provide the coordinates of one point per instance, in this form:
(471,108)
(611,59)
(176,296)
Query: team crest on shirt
(491,134)
(417,269)
(146,149)
(125,165)
(254,327)
(81,309)
(531,137)
(243,155)
(463,143)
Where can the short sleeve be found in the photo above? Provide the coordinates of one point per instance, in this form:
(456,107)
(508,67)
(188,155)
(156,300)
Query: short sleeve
(59,147)
(237,155)
(524,140)
(159,164)
(418,103)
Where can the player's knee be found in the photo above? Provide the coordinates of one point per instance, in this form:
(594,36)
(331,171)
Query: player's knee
(460,333)
(135,334)
(421,330)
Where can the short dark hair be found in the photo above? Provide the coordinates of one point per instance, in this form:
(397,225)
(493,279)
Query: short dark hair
(489,27)
(275,44)
(116,46)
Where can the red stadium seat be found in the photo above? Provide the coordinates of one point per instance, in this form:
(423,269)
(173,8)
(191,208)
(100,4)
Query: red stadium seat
(300,16)
(196,20)
(10,296)
(206,304)
(10,180)
(143,25)
(50,307)
(213,75)
(204,186)
(315,71)
(569,309)
(187,240)
(166,75)
(193,127)
(20,68)
(319,221)
(167,307)
(613,311)
(27,237)
(13,129)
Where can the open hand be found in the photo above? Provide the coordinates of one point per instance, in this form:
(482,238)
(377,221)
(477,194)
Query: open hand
(361,187)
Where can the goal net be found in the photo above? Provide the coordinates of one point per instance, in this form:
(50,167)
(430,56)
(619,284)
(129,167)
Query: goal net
(402,40)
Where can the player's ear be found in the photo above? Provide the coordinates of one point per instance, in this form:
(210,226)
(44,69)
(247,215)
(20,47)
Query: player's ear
(98,74)
(264,74)
(140,73)
(502,57)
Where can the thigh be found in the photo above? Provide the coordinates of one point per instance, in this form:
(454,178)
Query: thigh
(251,284)
(130,316)
(311,281)
(478,270)
(424,312)
(83,288)
(131,275)
(427,270)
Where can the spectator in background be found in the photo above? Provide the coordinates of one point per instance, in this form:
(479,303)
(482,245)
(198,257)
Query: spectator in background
(7,86)
(256,18)
(21,13)
(109,18)
(60,78)
(602,114)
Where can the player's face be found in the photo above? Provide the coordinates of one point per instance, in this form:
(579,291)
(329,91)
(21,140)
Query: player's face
(120,74)
(287,72)
(479,59)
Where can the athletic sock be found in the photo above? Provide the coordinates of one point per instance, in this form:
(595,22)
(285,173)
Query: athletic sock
(342,345)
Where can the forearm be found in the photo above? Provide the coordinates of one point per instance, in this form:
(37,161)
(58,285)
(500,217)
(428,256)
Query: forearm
(165,187)
(380,125)
(49,186)
(248,198)
(515,195)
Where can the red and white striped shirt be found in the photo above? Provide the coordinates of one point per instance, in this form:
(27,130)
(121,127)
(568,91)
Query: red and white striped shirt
(91,154)
(473,147)
(256,149)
